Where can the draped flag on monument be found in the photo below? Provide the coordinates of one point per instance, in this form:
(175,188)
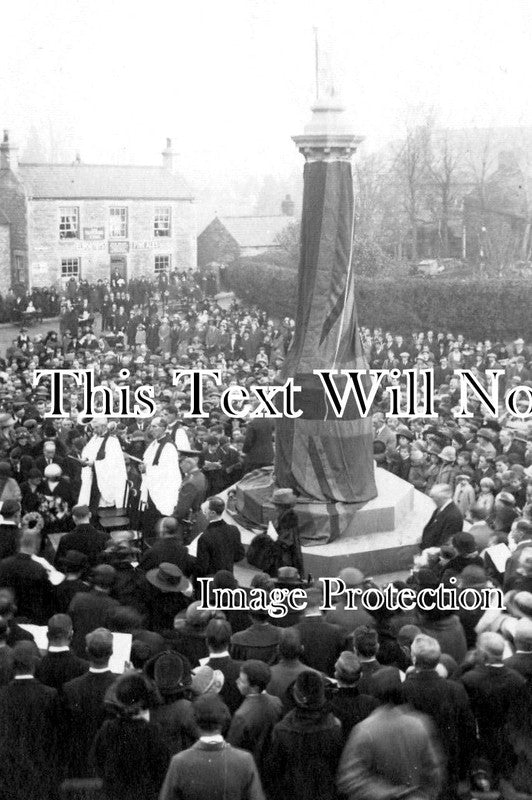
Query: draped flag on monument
(325,458)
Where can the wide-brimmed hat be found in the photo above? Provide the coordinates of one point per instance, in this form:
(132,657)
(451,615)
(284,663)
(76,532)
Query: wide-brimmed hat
(284,497)
(6,420)
(168,578)
(402,430)
(309,691)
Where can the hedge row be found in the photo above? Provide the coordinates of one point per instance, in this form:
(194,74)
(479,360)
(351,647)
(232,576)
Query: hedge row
(477,307)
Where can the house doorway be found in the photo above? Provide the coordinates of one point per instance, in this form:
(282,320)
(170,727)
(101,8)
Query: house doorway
(118,271)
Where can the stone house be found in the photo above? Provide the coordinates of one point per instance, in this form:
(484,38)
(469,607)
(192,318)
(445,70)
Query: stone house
(227,238)
(89,221)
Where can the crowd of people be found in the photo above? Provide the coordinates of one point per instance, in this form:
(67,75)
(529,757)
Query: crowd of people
(98,520)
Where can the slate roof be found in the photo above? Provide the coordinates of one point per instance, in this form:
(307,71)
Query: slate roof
(83,181)
(256,231)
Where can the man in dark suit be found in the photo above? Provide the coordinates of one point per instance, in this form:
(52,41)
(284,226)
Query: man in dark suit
(192,494)
(521,661)
(91,610)
(29,580)
(446,519)
(83,708)
(219,547)
(9,528)
(447,703)
(168,548)
(258,444)
(49,456)
(28,731)
(84,538)
(322,642)
(201,771)
(259,641)
(218,637)
(60,665)
(496,694)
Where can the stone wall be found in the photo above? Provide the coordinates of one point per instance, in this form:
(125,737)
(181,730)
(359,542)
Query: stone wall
(5,256)
(14,206)
(215,243)
(94,248)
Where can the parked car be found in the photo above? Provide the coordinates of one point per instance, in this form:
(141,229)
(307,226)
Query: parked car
(428,268)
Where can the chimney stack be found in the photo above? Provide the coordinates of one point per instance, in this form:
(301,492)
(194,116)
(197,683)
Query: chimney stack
(169,157)
(8,154)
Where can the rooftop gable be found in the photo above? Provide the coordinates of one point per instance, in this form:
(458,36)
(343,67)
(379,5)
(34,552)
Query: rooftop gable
(256,231)
(82,181)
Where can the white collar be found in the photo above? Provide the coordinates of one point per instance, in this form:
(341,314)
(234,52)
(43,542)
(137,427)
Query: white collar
(225,654)
(24,677)
(63,649)
(216,738)
(98,670)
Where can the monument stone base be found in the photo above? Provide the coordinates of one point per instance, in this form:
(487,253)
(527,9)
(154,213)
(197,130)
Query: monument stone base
(379,537)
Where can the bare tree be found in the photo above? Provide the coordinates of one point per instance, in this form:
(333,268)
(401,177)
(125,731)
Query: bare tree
(444,166)
(411,168)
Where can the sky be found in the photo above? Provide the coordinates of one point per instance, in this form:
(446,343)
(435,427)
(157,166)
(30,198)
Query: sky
(230,82)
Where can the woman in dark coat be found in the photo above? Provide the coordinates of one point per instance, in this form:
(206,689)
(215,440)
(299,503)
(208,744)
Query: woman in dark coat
(129,752)
(172,675)
(306,745)
(287,527)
